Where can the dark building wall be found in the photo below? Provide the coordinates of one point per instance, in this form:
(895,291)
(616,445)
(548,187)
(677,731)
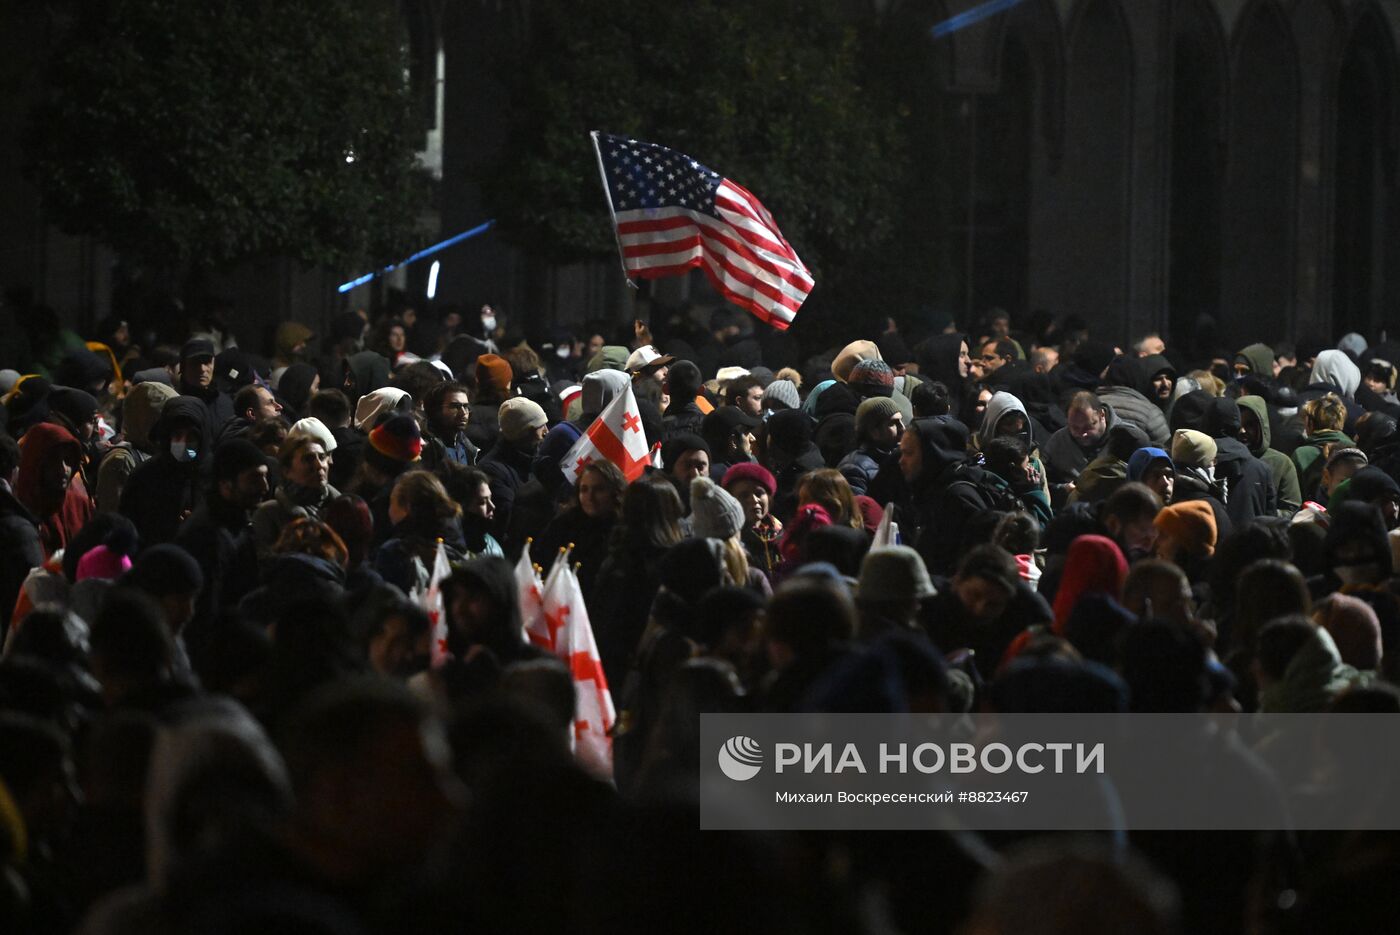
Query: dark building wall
(1229,158)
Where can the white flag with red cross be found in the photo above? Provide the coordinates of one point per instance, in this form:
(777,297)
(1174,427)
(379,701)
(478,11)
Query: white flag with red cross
(431,600)
(567,618)
(531,592)
(616,436)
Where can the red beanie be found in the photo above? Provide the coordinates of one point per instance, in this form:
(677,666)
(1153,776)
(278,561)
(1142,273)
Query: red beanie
(494,370)
(1094,564)
(398,438)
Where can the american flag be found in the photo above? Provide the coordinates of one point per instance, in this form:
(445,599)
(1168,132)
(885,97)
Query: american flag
(673,213)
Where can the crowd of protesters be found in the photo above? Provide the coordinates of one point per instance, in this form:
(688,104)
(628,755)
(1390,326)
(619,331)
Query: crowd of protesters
(216,704)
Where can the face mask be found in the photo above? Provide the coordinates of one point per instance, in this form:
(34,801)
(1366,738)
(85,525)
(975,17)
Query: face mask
(488,323)
(1357,574)
(561,352)
(182,452)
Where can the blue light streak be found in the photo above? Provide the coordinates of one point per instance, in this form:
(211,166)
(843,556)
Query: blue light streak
(974,15)
(427,251)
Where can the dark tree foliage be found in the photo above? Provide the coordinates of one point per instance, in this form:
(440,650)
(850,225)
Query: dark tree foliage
(780,95)
(191,135)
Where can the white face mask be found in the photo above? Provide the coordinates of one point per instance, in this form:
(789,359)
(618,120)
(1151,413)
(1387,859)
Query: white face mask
(181,452)
(488,323)
(562,353)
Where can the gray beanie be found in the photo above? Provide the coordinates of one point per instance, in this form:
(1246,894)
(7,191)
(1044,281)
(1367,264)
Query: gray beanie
(714,513)
(518,417)
(894,573)
(783,392)
(873,412)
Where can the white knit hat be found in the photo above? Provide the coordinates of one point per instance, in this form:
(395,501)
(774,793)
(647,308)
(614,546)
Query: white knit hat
(313,427)
(714,513)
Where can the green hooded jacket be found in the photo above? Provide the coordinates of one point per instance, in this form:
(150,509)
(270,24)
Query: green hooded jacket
(1259,357)
(1290,496)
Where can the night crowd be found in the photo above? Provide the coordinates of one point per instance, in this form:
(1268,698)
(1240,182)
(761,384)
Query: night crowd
(217,712)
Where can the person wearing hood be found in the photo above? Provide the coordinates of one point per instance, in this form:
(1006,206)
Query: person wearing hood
(1249,483)
(197,380)
(1333,371)
(20,545)
(304,490)
(879,426)
(483,610)
(1160,377)
(219,534)
(141,408)
(1298,668)
(164,490)
(1153,468)
(598,390)
(374,407)
(423,515)
(1371,485)
(1007,415)
(1256,359)
(1323,420)
(50,458)
(1132,393)
(447,411)
(296,387)
(1257,435)
(1193,453)
(1071,448)
(946,359)
(947,491)
(523,425)
(365,372)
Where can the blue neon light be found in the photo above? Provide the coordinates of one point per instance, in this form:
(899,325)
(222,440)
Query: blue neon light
(427,251)
(974,15)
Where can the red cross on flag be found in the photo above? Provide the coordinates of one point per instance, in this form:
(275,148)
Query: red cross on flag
(430,599)
(594,715)
(616,436)
(531,592)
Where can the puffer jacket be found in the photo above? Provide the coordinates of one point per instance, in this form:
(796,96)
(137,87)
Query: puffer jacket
(1126,392)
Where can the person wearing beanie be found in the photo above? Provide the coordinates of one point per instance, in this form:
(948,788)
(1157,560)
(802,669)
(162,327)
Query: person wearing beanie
(314,428)
(879,425)
(493,382)
(871,378)
(1193,454)
(683,414)
(685,457)
(219,535)
(391,448)
(397,439)
(172,578)
(1186,535)
(893,583)
(789,452)
(714,513)
(303,492)
(779,395)
(507,463)
(753,487)
(141,407)
(851,355)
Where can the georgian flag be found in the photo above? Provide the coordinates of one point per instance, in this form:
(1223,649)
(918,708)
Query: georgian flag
(531,591)
(616,436)
(566,617)
(431,600)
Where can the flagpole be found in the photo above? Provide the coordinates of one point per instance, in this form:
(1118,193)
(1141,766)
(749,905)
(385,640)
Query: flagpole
(607,193)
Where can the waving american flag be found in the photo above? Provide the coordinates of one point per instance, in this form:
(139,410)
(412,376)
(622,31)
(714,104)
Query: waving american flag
(673,214)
